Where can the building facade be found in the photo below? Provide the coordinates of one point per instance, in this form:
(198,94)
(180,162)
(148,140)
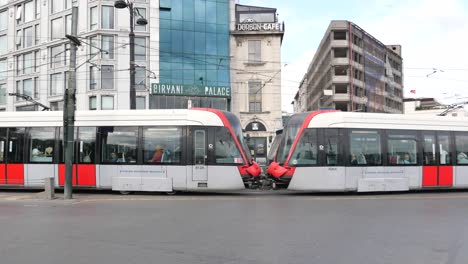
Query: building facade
(182,55)
(359,72)
(256,74)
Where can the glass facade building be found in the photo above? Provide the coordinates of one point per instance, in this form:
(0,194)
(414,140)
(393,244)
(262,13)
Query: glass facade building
(194,51)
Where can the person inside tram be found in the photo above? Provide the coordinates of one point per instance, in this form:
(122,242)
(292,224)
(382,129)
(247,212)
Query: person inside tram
(36,152)
(114,157)
(354,159)
(462,158)
(159,154)
(48,151)
(407,159)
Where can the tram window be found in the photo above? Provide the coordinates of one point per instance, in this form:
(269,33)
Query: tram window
(365,147)
(41,144)
(86,144)
(119,144)
(461,144)
(2,144)
(226,151)
(61,146)
(332,153)
(429,151)
(15,147)
(305,152)
(162,144)
(444,148)
(402,148)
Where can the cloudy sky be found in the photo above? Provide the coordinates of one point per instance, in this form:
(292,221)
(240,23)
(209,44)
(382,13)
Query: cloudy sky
(433,35)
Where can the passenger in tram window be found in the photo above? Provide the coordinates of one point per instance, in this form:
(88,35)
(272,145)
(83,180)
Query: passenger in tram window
(48,151)
(462,158)
(114,157)
(159,154)
(354,159)
(407,159)
(37,151)
(443,156)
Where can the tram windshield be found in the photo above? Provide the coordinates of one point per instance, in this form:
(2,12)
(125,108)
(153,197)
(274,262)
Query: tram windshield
(289,134)
(236,126)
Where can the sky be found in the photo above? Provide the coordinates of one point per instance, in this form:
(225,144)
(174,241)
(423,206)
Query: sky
(433,35)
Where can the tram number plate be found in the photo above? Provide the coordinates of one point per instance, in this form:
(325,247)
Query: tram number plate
(332,169)
(199,167)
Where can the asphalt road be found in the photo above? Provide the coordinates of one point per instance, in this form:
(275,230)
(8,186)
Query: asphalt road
(429,228)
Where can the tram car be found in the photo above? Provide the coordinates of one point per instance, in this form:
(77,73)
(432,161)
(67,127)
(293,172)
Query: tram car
(369,152)
(137,150)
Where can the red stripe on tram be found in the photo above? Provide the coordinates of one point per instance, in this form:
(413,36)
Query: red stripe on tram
(445,175)
(15,174)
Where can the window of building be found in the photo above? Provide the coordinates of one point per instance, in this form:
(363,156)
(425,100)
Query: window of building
(255,51)
(142,12)
(57,28)
(57,84)
(68,24)
(57,58)
(341,88)
(340,52)
(107,102)
(93,18)
(4,20)
(56,106)
(38,8)
(255,97)
(29,13)
(57,6)
(93,73)
(3,70)
(365,147)
(3,44)
(107,44)
(140,102)
(92,103)
(19,39)
(341,70)
(26,108)
(107,77)
(37,34)
(140,48)
(162,144)
(28,36)
(3,91)
(339,35)
(140,78)
(107,17)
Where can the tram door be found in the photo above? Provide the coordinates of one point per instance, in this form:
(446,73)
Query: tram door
(199,169)
(437,160)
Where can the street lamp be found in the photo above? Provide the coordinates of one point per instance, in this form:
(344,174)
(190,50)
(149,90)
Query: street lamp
(121,4)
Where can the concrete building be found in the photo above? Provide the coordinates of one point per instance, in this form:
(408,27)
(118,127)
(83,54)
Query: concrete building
(361,73)
(256,74)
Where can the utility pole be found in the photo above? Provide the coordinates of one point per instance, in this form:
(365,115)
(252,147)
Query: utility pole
(131,37)
(69,106)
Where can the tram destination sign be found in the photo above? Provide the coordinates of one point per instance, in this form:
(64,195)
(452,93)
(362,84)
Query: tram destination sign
(190,90)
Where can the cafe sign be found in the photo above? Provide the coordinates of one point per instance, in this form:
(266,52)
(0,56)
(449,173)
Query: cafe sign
(259,27)
(190,90)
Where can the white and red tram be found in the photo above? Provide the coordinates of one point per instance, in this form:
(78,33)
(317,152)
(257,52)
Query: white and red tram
(346,151)
(199,150)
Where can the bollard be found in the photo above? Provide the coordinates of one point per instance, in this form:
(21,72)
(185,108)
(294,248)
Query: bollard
(49,188)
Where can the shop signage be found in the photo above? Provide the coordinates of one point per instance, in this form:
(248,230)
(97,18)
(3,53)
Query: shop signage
(190,90)
(259,27)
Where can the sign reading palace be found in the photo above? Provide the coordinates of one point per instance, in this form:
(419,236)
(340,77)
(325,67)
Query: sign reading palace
(190,90)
